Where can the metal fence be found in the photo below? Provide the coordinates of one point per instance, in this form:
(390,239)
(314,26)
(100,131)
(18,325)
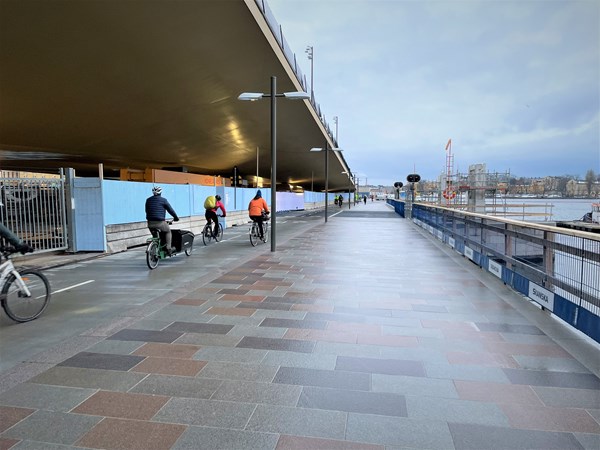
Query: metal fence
(34,209)
(560,266)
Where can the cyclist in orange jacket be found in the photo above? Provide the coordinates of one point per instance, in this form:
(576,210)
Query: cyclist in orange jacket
(255,210)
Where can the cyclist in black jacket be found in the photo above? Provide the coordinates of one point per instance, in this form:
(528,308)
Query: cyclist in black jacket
(156,207)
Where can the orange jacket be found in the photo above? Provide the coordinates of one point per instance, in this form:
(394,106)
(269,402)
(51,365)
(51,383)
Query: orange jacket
(256,207)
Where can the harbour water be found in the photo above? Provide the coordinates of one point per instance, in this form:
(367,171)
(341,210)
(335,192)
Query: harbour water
(558,209)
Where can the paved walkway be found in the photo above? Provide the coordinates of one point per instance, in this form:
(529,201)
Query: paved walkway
(360,334)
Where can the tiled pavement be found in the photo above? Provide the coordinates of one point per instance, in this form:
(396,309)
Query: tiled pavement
(363,334)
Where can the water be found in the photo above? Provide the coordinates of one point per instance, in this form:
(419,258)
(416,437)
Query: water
(562,208)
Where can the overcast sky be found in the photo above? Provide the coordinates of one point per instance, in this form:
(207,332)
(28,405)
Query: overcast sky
(514,84)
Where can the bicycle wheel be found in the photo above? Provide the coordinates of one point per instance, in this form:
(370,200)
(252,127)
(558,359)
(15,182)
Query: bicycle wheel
(265,232)
(254,234)
(206,234)
(17,304)
(219,236)
(152,256)
(188,251)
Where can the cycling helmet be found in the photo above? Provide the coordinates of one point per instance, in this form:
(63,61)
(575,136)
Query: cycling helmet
(157,190)
(217,197)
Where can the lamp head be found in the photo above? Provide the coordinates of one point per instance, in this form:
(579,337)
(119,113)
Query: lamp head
(250,96)
(296,95)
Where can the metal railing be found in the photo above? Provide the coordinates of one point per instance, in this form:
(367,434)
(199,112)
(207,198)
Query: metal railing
(556,267)
(34,209)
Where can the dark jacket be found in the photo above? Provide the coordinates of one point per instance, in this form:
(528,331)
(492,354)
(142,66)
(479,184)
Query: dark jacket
(156,207)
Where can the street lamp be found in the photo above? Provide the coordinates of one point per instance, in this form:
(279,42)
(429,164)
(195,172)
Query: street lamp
(326,149)
(253,96)
(309,52)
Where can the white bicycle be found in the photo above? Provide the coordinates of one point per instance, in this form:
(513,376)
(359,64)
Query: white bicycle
(254,231)
(25,294)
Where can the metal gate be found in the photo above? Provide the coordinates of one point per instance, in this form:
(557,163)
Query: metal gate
(34,209)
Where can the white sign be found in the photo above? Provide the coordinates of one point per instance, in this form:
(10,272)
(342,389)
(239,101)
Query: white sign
(543,296)
(495,268)
(451,242)
(469,253)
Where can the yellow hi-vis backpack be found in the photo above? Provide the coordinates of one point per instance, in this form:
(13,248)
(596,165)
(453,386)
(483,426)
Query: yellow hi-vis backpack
(210,202)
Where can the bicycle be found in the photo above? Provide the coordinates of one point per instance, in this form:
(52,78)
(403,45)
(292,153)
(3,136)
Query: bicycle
(254,231)
(156,249)
(208,235)
(25,293)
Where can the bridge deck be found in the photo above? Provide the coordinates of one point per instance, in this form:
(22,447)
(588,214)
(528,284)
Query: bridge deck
(360,334)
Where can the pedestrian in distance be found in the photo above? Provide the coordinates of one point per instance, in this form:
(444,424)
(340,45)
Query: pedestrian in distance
(365,199)
(340,200)
(156,208)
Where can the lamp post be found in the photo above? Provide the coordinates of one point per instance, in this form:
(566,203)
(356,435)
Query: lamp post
(253,96)
(326,149)
(309,52)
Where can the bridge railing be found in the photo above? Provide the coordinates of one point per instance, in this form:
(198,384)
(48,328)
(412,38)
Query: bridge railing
(556,267)
(291,58)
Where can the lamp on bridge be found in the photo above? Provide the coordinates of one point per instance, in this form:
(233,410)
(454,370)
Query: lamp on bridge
(253,96)
(326,149)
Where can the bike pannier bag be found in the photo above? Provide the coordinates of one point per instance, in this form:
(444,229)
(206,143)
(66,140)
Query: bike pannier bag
(210,202)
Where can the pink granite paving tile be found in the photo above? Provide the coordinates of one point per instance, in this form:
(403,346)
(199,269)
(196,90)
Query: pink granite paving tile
(189,302)
(10,415)
(570,420)
(122,405)
(354,327)
(184,351)
(242,298)
(6,444)
(320,335)
(482,359)
(448,325)
(298,294)
(132,435)
(527,349)
(287,442)
(218,311)
(473,335)
(312,308)
(480,391)
(170,366)
(388,340)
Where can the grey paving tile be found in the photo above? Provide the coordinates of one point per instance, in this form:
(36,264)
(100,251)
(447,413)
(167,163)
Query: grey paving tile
(268,332)
(208,339)
(399,432)
(550,364)
(110,380)
(323,378)
(203,438)
(207,413)
(427,387)
(269,306)
(568,397)
(333,317)
(263,313)
(509,328)
(429,355)
(238,371)
(115,347)
(411,331)
(455,345)
(298,421)
(479,437)
(293,300)
(237,320)
(343,349)
(191,327)
(42,396)
(276,344)
(556,379)
(455,410)
(290,323)
(102,361)
(385,366)
(175,386)
(145,336)
(253,392)
(34,445)
(242,355)
(180,313)
(385,404)
(148,324)
(463,372)
(588,441)
(51,426)
(306,360)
